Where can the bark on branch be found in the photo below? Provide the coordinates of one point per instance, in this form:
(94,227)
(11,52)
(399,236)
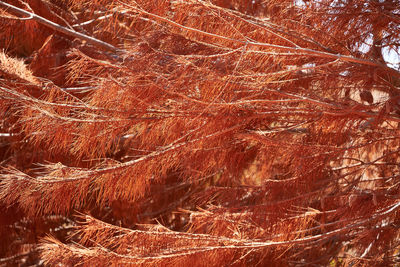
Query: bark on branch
(59,28)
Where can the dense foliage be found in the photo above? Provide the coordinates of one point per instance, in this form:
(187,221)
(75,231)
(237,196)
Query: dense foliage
(203,133)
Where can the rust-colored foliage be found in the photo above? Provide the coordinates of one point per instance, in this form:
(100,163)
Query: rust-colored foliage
(203,133)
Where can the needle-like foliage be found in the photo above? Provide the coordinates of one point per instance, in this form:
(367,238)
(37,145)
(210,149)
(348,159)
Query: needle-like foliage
(203,133)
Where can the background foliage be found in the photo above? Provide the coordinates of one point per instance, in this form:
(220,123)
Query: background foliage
(224,132)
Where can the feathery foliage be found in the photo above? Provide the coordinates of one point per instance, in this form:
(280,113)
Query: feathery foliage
(204,133)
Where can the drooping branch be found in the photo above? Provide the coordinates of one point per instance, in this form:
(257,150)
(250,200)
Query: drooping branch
(250,43)
(59,28)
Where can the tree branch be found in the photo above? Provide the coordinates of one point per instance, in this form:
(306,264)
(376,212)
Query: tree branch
(59,28)
(305,51)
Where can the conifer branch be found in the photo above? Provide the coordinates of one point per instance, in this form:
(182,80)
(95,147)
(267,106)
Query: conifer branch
(259,135)
(249,43)
(59,28)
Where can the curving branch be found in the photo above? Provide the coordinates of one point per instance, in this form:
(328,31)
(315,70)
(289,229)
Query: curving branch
(59,28)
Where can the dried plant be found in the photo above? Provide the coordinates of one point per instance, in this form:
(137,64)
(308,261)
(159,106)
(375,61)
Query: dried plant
(204,133)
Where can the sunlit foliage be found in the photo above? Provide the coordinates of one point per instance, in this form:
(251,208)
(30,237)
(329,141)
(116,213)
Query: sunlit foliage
(203,133)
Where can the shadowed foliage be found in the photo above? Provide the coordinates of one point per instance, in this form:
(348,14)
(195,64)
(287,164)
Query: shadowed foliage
(203,133)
